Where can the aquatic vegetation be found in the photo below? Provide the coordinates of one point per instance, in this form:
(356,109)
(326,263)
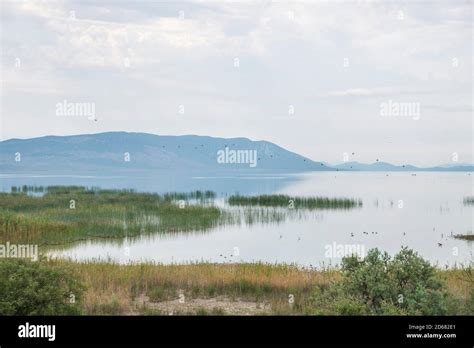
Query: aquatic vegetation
(294,202)
(195,195)
(469,236)
(26,189)
(468,200)
(69,213)
(57,215)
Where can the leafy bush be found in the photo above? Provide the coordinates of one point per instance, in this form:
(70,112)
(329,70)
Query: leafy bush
(36,288)
(378,284)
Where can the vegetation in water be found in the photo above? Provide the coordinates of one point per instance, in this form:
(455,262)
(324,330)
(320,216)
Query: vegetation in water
(72,213)
(55,215)
(294,202)
(468,200)
(469,236)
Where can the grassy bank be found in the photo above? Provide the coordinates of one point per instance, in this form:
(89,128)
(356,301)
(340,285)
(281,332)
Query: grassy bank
(247,289)
(157,289)
(237,289)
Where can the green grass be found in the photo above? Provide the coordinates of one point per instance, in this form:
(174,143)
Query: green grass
(294,202)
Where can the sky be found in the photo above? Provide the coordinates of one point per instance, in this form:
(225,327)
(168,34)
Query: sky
(330,80)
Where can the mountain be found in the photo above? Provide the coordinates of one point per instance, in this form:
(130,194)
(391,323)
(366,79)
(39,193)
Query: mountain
(123,152)
(387,167)
(377,166)
(120,153)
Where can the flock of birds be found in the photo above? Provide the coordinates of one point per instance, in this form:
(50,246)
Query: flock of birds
(443,237)
(365,233)
(404,234)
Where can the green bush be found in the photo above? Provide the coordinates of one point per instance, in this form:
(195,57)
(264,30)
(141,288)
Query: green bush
(378,284)
(36,288)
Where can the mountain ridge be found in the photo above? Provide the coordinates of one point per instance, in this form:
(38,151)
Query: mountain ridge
(127,152)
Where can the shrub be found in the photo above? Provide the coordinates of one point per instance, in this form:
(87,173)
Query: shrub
(36,288)
(378,284)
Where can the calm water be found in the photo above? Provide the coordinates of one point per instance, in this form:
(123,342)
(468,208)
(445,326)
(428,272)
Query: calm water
(399,209)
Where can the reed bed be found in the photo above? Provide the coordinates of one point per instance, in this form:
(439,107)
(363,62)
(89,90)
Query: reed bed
(294,202)
(120,285)
(66,214)
(468,200)
(195,195)
(118,289)
(469,236)
(54,215)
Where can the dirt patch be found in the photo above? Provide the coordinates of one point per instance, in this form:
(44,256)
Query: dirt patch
(217,305)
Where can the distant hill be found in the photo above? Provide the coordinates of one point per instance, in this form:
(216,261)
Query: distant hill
(120,153)
(387,167)
(377,166)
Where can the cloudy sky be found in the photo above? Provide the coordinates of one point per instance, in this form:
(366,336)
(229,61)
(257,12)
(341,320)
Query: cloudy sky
(311,76)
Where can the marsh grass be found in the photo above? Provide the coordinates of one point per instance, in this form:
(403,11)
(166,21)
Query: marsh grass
(195,195)
(469,237)
(67,214)
(114,289)
(468,200)
(295,202)
(55,215)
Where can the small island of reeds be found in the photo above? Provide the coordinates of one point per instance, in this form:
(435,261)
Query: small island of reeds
(294,202)
(468,200)
(464,236)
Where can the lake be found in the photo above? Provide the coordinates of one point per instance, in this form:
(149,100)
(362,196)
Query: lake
(419,211)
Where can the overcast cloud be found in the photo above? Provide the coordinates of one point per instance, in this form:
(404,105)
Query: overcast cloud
(309,76)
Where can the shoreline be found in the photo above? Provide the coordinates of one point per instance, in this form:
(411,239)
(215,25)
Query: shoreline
(215,289)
